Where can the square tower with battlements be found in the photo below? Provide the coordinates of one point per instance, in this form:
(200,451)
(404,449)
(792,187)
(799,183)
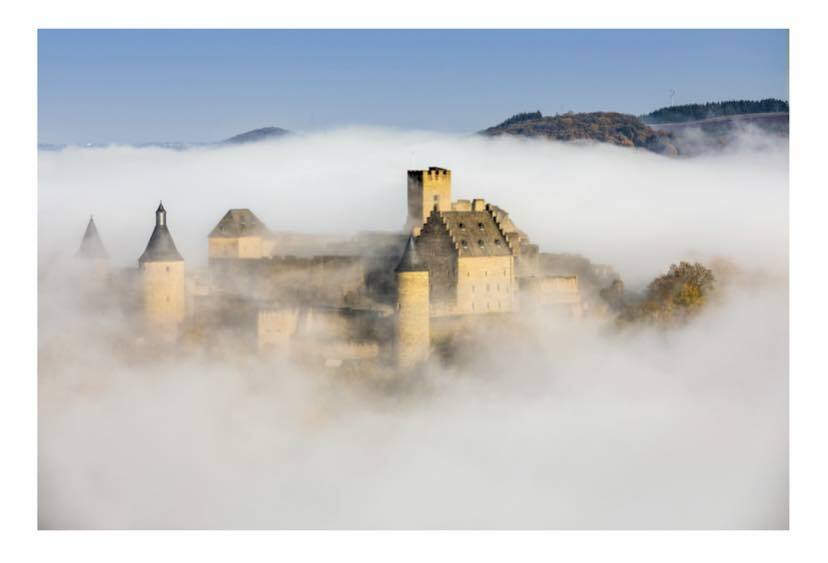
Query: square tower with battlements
(427,189)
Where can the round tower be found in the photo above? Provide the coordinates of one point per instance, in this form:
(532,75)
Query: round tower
(413,334)
(162,280)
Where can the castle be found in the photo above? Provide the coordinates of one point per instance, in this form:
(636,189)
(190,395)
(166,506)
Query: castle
(374,299)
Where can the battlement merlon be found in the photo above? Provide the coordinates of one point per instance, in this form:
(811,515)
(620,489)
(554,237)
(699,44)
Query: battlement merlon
(433,172)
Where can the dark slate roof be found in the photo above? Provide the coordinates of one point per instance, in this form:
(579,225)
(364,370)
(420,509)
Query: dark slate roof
(239,223)
(91,245)
(160,247)
(475,233)
(411,261)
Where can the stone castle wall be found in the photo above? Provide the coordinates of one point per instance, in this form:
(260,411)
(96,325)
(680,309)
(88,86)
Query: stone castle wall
(485,285)
(276,328)
(326,280)
(558,292)
(437,250)
(236,247)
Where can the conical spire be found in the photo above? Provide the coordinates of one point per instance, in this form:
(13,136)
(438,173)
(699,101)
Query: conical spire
(411,261)
(161,247)
(160,214)
(91,245)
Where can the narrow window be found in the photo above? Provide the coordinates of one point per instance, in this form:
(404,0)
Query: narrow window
(462,226)
(480,226)
(481,243)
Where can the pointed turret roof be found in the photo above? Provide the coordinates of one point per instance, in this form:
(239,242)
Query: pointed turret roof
(91,245)
(411,261)
(161,247)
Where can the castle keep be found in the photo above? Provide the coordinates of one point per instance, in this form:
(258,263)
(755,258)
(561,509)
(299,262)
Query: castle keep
(427,190)
(353,303)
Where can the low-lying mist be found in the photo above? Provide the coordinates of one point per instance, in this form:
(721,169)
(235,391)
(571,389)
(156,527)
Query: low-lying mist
(563,424)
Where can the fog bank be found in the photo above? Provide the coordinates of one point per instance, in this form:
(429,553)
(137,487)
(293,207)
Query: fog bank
(633,209)
(561,425)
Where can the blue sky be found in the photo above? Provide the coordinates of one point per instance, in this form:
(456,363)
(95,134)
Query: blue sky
(132,86)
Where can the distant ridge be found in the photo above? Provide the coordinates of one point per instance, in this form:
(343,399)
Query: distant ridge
(256,135)
(700,112)
(253,136)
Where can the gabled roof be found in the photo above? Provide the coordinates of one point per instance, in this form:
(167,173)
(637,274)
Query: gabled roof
(411,261)
(475,233)
(160,247)
(239,223)
(91,245)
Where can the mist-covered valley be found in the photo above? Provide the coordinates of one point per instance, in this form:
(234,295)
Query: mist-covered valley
(560,424)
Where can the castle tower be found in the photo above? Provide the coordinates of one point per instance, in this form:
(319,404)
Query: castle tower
(239,234)
(92,250)
(413,335)
(162,274)
(427,188)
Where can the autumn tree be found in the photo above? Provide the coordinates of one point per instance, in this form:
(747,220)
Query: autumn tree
(674,297)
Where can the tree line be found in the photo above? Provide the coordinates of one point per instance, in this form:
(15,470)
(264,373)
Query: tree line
(694,112)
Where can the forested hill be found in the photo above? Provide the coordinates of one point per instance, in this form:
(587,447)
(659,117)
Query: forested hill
(605,127)
(698,112)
